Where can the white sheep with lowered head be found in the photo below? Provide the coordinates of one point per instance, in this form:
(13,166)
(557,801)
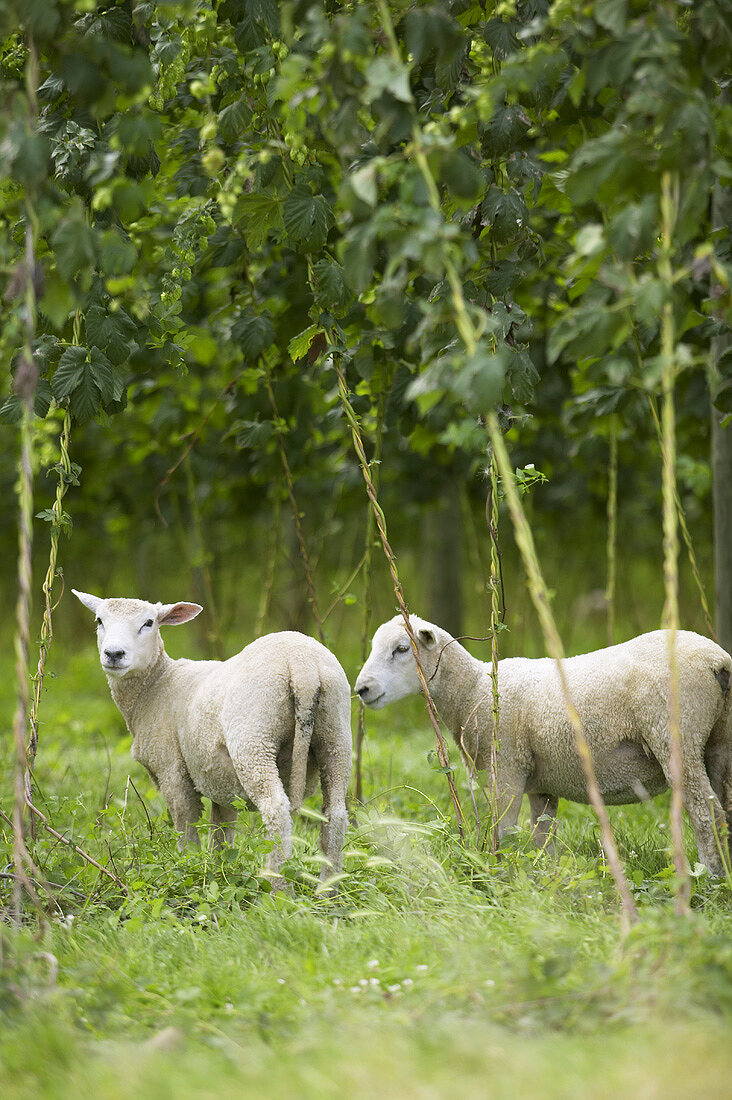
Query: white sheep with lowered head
(621,694)
(256,727)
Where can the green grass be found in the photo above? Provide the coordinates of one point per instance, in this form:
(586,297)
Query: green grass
(438,971)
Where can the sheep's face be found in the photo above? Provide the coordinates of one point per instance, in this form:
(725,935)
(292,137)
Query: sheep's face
(128,631)
(390,673)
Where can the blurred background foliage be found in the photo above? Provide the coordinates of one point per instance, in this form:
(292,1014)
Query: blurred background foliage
(215,188)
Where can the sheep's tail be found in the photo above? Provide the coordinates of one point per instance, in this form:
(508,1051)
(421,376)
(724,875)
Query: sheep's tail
(306,689)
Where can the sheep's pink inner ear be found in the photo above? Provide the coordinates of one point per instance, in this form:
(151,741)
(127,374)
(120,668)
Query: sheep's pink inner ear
(173,614)
(427,638)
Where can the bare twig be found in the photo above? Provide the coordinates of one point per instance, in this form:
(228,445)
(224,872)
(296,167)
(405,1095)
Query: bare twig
(193,440)
(612,529)
(266,596)
(75,847)
(201,558)
(295,510)
(142,803)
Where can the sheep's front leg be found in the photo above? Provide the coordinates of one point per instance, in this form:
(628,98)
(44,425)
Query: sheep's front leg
(544,806)
(184,803)
(222,819)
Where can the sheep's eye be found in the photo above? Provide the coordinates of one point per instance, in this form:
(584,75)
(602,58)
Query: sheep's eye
(99,622)
(400,649)
(147,624)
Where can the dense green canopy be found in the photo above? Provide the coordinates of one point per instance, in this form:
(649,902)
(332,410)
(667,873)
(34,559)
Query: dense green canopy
(218,191)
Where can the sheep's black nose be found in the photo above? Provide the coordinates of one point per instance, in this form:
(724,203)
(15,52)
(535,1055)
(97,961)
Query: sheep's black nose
(363,692)
(114,654)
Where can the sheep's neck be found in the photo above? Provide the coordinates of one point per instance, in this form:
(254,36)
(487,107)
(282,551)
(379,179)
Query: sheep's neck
(127,691)
(455,687)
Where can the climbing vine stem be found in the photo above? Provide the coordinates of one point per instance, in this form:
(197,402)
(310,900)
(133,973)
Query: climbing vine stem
(540,598)
(380,523)
(497,616)
(66,475)
(367,578)
(669,206)
(26,380)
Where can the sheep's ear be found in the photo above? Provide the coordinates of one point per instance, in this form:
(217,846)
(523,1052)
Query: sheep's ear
(92,602)
(427,638)
(173,614)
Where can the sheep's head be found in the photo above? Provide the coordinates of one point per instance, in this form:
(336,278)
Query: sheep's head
(390,672)
(128,631)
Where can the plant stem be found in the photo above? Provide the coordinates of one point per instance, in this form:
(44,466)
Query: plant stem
(540,597)
(48,606)
(367,578)
(497,615)
(380,521)
(670,539)
(612,529)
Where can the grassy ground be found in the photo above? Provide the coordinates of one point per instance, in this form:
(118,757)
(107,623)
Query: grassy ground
(437,972)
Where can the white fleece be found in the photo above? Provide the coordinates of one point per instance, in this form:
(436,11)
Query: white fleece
(250,727)
(621,694)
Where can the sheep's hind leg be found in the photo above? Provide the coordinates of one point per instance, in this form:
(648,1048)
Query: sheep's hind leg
(704,810)
(222,820)
(707,818)
(334,776)
(258,774)
(544,806)
(719,768)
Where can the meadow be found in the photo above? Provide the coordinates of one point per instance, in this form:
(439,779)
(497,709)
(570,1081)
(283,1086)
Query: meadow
(439,970)
(252,253)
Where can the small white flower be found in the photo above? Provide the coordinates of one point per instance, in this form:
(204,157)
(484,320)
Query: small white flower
(394,988)
(372,964)
(355,989)
(489,981)
(338,981)
(374,981)
(229,1006)
(422,966)
(363,981)
(407,982)
(280,981)
(202,918)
